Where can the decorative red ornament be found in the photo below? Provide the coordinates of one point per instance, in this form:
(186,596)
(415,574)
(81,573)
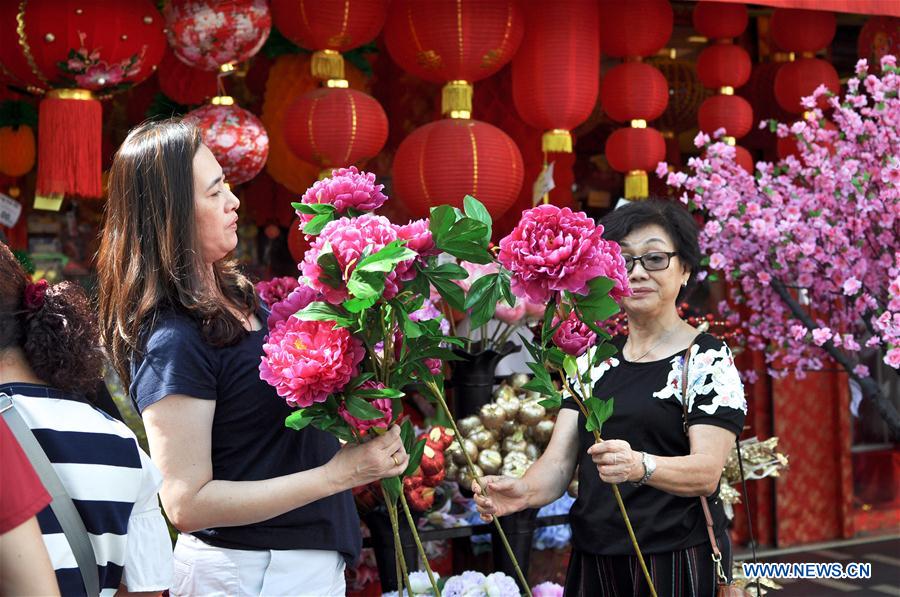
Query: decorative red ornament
(629,149)
(724,65)
(236,137)
(717,20)
(183,83)
(335,127)
(326,25)
(556,72)
(731,112)
(296,240)
(634,91)
(801,78)
(208,34)
(879,37)
(446,160)
(634,27)
(800,30)
(744,159)
(71,49)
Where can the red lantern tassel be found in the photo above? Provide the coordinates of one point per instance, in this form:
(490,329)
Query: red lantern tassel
(69,141)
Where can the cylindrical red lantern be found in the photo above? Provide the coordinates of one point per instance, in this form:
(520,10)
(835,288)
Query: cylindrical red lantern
(798,79)
(634,27)
(185,84)
(731,112)
(474,158)
(208,34)
(236,137)
(556,72)
(335,127)
(329,29)
(72,50)
(634,91)
(879,37)
(801,30)
(724,65)
(720,20)
(635,151)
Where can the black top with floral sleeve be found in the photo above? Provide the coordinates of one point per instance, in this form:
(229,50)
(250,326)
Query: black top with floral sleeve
(648,414)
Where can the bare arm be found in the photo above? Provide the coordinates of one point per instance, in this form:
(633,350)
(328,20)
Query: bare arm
(687,476)
(179,430)
(25,567)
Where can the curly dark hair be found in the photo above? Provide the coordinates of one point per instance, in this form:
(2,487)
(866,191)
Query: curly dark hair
(60,339)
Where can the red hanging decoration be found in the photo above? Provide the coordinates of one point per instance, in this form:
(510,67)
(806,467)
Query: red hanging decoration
(744,159)
(731,112)
(296,240)
(446,160)
(556,72)
(335,127)
(724,65)
(634,91)
(185,84)
(236,137)
(719,20)
(879,37)
(800,30)
(801,78)
(72,51)
(635,149)
(634,27)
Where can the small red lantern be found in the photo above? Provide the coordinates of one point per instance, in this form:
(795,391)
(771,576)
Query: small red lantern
(634,91)
(236,137)
(208,34)
(635,151)
(718,20)
(879,37)
(634,27)
(798,79)
(335,127)
(731,112)
(296,240)
(724,65)
(801,30)
(475,159)
(185,84)
(744,159)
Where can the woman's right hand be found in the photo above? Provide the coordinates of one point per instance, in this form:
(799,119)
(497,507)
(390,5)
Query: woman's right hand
(360,464)
(505,495)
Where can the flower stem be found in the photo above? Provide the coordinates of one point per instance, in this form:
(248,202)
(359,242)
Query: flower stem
(398,546)
(415,534)
(432,386)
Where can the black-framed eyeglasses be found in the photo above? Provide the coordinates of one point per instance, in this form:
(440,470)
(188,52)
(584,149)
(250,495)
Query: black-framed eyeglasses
(651,262)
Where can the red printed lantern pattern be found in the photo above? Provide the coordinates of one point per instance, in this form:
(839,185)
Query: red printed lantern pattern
(236,137)
(185,84)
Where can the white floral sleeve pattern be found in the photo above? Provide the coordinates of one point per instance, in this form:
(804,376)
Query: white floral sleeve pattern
(714,381)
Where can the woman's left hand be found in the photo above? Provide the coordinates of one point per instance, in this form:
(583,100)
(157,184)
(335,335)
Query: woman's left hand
(616,461)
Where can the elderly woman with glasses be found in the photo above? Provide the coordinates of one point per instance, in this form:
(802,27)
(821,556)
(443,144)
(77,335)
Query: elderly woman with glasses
(661,462)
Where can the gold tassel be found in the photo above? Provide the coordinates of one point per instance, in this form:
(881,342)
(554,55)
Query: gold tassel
(456,99)
(636,185)
(48,202)
(556,141)
(327,64)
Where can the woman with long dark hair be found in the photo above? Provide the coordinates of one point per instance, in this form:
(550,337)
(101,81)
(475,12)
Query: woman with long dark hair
(262,509)
(49,358)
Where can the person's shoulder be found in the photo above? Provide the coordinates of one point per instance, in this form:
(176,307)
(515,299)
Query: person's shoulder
(707,342)
(167,326)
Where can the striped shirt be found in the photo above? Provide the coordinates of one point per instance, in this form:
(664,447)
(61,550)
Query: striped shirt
(113,485)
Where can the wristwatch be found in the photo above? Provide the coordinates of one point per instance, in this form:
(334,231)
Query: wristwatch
(649,468)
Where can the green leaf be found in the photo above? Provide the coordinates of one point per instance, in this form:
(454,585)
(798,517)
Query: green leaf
(506,290)
(479,289)
(319,222)
(320,311)
(551,403)
(313,209)
(466,250)
(450,292)
(407,435)
(358,305)
(386,258)
(468,229)
(598,308)
(360,380)
(376,393)
(600,286)
(477,211)
(556,357)
(448,271)
(548,329)
(361,409)
(331,269)
(602,352)
(297,420)
(393,486)
(366,284)
(441,220)
(593,424)
(415,457)
(570,366)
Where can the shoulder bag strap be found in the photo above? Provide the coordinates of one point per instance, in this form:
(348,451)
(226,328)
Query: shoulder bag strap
(62,506)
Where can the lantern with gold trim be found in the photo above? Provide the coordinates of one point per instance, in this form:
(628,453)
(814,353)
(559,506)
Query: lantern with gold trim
(73,52)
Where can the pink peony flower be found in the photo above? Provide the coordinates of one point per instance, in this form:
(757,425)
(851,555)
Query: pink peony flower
(553,249)
(347,188)
(299,298)
(276,289)
(306,361)
(435,366)
(348,238)
(534,310)
(573,337)
(382,404)
(476,270)
(418,238)
(510,315)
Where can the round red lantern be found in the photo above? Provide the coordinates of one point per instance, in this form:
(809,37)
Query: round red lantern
(72,50)
(208,34)
(335,127)
(17,150)
(788,145)
(235,136)
(296,240)
(798,79)
(879,37)
(634,27)
(185,84)
(555,73)
(743,159)
(446,160)
(717,20)
(635,151)
(731,112)
(634,91)
(724,65)
(801,30)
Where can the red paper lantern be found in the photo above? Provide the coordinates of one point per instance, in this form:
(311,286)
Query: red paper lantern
(800,30)
(185,84)
(717,20)
(798,79)
(724,65)
(788,145)
(634,27)
(335,127)
(208,34)
(731,112)
(635,151)
(744,159)
(325,25)
(634,91)
(446,160)
(879,37)
(72,49)
(296,240)
(555,73)
(236,137)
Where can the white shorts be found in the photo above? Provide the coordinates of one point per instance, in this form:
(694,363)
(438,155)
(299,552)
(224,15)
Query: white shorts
(203,570)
